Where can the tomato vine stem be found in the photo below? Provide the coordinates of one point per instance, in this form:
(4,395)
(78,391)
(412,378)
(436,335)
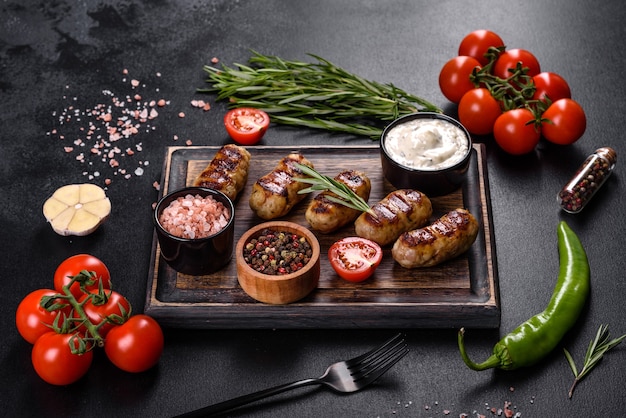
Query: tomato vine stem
(78,344)
(514,92)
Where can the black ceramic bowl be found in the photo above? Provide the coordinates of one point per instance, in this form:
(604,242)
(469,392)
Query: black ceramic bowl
(198,256)
(432,182)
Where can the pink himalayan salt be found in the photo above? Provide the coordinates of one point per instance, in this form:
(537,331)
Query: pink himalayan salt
(194,217)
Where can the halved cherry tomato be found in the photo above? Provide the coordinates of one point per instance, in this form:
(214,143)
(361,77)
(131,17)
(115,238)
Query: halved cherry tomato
(476,44)
(354,258)
(509,59)
(454,78)
(54,361)
(515,131)
(552,86)
(32,320)
(136,345)
(246,125)
(565,122)
(73,265)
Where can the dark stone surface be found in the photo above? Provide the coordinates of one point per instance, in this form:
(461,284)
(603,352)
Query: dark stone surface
(57,58)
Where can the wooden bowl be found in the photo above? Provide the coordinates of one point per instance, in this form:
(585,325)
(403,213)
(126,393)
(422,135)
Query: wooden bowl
(278,289)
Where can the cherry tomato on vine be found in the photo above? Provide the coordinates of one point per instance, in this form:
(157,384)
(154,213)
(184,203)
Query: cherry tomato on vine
(355,259)
(54,362)
(246,125)
(101,306)
(73,265)
(509,59)
(515,131)
(478,111)
(32,320)
(454,78)
(136,345)
(552,86)
(563,122)
(476,43)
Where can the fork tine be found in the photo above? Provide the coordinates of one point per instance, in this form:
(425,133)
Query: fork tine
(371,365)
(391,342)
(363,378)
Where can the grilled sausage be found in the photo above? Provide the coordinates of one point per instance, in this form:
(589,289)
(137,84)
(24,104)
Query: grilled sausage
(400,211)
(276,193)
(448,237)
(227,172)
(326,216)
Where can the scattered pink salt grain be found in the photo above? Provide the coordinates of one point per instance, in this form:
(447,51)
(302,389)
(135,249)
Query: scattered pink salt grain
(194,217)
(105,135)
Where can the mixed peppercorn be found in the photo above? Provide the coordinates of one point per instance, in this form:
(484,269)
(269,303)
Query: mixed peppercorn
(277,252)
(588,179)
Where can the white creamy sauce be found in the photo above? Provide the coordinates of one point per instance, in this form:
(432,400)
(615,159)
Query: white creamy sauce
(426,144)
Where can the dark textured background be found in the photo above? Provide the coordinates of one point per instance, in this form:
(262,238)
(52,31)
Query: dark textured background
(54,55)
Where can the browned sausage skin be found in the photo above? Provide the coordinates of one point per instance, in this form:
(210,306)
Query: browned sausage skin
(446,238)
(227,171)
(276,193)
(327,216)
(398,212)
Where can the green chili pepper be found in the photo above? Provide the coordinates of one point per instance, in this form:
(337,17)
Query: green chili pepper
(538,336)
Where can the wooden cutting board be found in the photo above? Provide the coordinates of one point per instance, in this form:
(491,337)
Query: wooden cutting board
(460,292)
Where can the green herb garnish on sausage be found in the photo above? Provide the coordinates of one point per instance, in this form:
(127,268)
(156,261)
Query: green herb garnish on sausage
(537,337)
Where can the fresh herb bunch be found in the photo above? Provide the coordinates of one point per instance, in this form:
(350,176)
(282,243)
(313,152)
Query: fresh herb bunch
(342,193)
(315,95)
(597,347)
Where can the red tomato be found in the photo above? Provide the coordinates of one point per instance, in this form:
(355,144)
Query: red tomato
(245,125)
(564,122)
(73,265)
(355,259)
(476,44)
(509,59)
(515,132)
(32,320)
(552,86)
(54,362)
(136,345)
(110,304)
(454,78)
(478,111)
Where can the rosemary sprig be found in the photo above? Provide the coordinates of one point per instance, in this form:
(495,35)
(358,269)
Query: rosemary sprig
(317,95)
(597,347)
(343,194)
